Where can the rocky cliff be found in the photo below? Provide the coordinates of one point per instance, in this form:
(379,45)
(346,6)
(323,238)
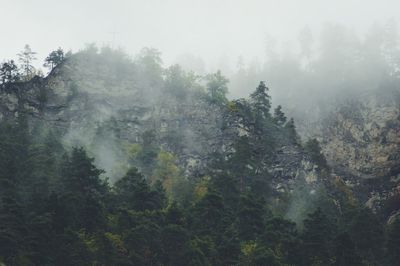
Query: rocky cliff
(362,138)
(105,106)
(361,141)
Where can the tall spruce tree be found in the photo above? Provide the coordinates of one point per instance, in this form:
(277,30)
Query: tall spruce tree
(12,220)
(318,236)
(82,191)
(366,232)
(279,116)
(134,193)
(261,102)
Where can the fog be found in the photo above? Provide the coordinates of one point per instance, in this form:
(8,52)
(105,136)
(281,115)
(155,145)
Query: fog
(306,51)
(199,132)
(218,32)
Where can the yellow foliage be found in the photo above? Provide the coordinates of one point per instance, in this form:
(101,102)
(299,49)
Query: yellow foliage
(166,167)
(88,240)
(200,190)
(116,242)
(248,248)
(167,171)
(132,150)
(232,106)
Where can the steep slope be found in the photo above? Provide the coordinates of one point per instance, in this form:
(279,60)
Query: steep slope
(107,103)
(361,141)
(363,136)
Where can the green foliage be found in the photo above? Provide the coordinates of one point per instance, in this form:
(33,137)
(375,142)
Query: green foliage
(62,212)
(208,214)
(12,220)
(150,69)
(393,243)
(291,132)
(57,208)
(318,236)
(345,251)
(54,59)
(26,58)
(144,156)
(9,73)
(279,116)
(313,148)
(134,193)
(252,253)
(217,87)
(83,191)
(261,101)
(281,237)
(242,162)
(251,217)
(177,187)
(178,82)
(367,233)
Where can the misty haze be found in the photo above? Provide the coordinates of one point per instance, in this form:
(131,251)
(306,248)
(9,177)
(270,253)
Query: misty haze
(200,132)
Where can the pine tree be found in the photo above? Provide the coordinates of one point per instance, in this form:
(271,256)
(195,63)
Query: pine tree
(208,215)
(9,73)
(241,163)
(26,57)
(318,236)
(43,157)
(134,193)
(82,191)
(366,232)
(150,70)
(251,214)
(158,195)
(290,128)
(175,240)
(262,135)
(253,253)
(261,102)
(279,116)
(144,243)
(54,59)
(217,87)
(314,149)
(393,243)
(12,220)
(345,251)
(228,187)
(281,237)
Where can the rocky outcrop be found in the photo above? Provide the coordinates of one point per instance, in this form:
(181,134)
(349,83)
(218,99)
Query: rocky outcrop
(361,142)
(362,139)
(92,107)
(292,164)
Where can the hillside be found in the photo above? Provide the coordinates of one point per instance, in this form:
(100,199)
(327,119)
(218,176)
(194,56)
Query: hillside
(226,181)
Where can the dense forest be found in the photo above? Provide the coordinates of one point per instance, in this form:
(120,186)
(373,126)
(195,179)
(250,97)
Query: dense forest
(316,71)
(58,207)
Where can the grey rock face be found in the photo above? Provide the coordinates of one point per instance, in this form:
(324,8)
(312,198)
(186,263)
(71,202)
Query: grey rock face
(363,137)
(104,113)
(361,142)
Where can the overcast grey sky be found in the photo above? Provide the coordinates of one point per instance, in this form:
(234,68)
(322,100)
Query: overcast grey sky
(205,28)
